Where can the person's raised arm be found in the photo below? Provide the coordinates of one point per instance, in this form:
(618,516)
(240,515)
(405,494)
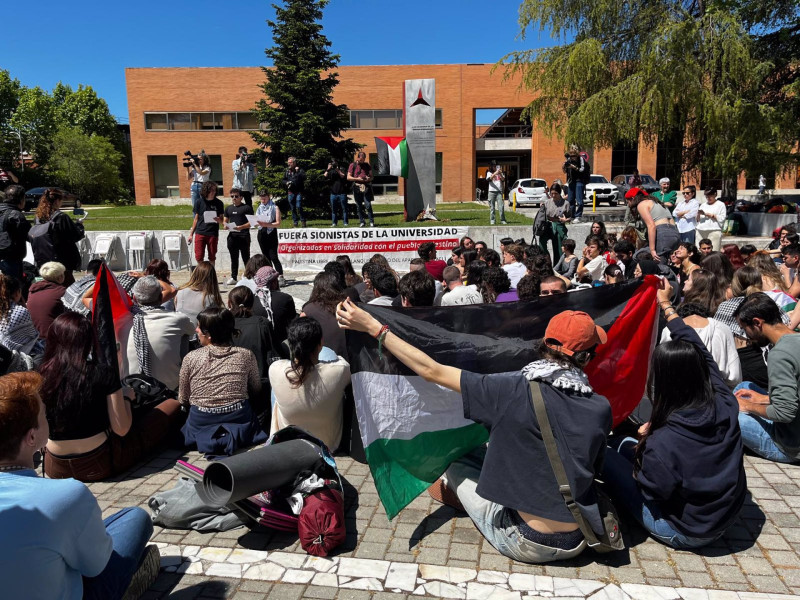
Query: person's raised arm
(644,212)
(350,316)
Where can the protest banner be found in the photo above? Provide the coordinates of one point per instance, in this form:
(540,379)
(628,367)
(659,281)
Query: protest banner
(311,248)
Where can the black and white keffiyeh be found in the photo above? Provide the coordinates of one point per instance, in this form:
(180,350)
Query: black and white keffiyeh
(144,350)
(557,375)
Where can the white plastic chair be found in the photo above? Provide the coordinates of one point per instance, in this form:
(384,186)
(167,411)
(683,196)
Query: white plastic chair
(105,245)
(136,243)
(172,243)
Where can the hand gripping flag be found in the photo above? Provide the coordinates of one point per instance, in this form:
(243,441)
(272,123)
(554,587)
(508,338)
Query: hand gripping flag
(111,315)
(412,430)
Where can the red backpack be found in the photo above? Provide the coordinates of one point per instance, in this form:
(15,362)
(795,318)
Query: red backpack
(321,527)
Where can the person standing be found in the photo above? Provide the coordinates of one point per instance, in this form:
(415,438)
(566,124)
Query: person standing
(557,211)
(7,177)
(207,233)
(712,215)
(238,232)
(268,216)
(666,196)
(54,235)
(496,179)
(338,181)
(198,170)
(360,173)
(577,171)
(14,228)
(244,174)
(295,179)
(685,214)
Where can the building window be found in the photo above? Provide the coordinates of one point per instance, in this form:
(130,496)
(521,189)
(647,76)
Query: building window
(624,159)
(216,172)
(202,121)
(669,159)
(384,119)
(164,171)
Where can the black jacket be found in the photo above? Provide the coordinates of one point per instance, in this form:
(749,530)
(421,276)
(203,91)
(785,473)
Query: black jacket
(14,228)
(294,180)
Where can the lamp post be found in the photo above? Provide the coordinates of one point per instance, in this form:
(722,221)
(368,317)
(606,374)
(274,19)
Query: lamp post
(21,153)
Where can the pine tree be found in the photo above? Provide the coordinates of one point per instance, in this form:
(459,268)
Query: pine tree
(706,71)
(298,109)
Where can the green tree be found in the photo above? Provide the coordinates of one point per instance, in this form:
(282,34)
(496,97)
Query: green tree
(706,70)
(298,108)
(38,119)
(9,98)
(88,165)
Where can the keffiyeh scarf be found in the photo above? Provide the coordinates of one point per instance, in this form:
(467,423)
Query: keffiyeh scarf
(144,350)
(557,375)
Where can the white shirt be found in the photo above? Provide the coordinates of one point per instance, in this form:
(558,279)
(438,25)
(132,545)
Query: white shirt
(687,222)
(266,213)
(243,175)
(715,222)
(462,294)
(718,339)
(201,176)
(516,271)
(596,266)
(495,181)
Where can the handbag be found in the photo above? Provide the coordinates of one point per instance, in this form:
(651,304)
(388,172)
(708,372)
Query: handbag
(611,538)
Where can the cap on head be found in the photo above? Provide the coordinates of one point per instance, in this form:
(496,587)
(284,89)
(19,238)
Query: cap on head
(573,331)
(633,192)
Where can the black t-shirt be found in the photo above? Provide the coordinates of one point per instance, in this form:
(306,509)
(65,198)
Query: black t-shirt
(238,216)
(517,473)
(338,183)
(254,334)
(86,415)
(283,313)
(211,229)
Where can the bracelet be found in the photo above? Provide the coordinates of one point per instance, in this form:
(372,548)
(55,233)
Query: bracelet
(662,303)
(383,329)
(381,337)
(669,314)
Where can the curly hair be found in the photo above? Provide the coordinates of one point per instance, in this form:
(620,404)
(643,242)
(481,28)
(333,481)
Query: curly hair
(47,203)
(8,287)
(495,281)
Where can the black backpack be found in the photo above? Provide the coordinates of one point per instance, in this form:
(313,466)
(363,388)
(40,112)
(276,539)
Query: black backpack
(42,242)
(587,171)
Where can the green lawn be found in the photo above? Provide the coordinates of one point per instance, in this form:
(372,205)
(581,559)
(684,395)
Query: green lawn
(133,218)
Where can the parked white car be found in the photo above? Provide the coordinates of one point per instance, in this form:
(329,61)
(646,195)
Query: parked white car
(528,192)
(606,191)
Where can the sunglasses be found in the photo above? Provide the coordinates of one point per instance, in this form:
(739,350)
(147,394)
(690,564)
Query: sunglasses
(235,196)
(687,193)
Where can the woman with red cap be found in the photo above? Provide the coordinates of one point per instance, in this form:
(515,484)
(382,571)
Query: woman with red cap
(508,488)
(662,234)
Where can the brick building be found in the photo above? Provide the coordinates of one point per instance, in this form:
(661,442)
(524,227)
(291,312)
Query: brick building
(172,110)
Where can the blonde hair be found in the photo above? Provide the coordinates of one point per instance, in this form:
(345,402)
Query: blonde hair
(52,271)
(204,279)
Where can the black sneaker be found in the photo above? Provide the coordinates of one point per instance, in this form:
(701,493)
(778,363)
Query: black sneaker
(145,575)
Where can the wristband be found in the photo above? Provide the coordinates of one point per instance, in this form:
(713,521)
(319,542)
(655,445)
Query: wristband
(381,337)
(669,314)
(381,330)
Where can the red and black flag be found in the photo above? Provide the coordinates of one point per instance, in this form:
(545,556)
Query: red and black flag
(111,313)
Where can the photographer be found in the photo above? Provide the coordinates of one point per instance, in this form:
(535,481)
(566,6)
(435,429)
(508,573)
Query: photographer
(198,170)
(244,174)
(360,173)
(338,180)
(14,228)
(496,179)
(7,177)
(577,172)
(294,179)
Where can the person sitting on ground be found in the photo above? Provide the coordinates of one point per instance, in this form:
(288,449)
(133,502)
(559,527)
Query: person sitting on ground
(17,331)
(734,255)
(684,481)
(771,281)
(747,251)
(492,258)
(254,332)
(217,381)
(200,292)
(716,337)
(703,288)
(524,518)
(44,297)
(539,265)
(335,268)
(364,289)
(427,252)
(721,266)
(506,241)
(529,287)
(768,419)
(689,258)
(73,295)
(160,270)
(458,293)
(496,286)
(251,267)
(623,252)
(512,263)
(553,285)
(788,269)
(568,263)
(385,288)
(92,432)
(321,305)
(417,264)
(593,262)
(613,274)
(351,277)
(273,304)
(55,543)
(417,288)
(705,247)
(159,338)
(380,260)
(467,258)
(480,248)
(308,393)
(475,274)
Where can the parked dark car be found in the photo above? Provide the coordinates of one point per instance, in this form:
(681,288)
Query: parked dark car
(33,195)
(649,184)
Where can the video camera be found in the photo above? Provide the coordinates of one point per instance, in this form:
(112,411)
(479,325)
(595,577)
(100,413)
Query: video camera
(191,158)
(246,158)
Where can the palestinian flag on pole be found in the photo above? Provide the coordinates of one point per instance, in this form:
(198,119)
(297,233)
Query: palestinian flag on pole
(110,315)
(392,156)
(412,430)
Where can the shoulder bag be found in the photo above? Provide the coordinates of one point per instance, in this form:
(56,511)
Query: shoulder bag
(611,539)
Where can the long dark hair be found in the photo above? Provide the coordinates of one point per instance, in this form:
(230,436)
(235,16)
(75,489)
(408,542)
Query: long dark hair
(679,380)
(706,290)
(304,335)
(47,202)
(721,266)
(327,292)
(8,287)
(66,366)
(494,282)
(240,301)
(158,268)
(350,275)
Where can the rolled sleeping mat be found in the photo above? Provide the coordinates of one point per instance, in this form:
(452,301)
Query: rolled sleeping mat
(242,475)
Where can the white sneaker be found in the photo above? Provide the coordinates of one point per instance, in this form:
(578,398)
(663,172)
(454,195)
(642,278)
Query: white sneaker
(371,224)
(491,222)
(362,224)
(231,281)
(504,222)
(576,220)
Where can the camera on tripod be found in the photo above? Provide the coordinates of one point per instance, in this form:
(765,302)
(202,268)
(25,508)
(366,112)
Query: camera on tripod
(191,159)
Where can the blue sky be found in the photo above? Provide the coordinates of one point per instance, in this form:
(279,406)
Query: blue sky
(93,41)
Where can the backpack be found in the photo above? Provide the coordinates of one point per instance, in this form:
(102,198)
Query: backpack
(587,171)
(42,242)
(540,223)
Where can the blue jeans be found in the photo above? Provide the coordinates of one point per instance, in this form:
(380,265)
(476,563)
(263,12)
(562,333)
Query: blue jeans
(622,487)
(462,477)
(196,198)
(130,529)
(341,199)
(295,201)
(689,236)
(758,433)
(364,200)
(494,199)
(575,198)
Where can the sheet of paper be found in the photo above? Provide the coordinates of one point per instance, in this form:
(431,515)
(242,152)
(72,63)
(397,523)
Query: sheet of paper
(230,226)
(209,216)
(252,219)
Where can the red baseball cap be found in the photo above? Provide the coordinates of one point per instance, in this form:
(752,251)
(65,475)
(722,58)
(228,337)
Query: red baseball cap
(633,192)
(572,331)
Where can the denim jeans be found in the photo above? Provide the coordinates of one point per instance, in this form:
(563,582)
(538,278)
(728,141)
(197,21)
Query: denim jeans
(295,201)
(364,200)
(494,199)
(462,477)
(689,236)
(341,199)
(130,529)
(196,187)
(758,433)
(622,487)
(575,198)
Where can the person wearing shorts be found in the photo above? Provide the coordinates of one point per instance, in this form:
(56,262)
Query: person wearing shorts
(206,235)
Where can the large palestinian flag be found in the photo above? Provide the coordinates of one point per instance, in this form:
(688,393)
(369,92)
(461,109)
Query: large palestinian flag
(392,156)
(412,430)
